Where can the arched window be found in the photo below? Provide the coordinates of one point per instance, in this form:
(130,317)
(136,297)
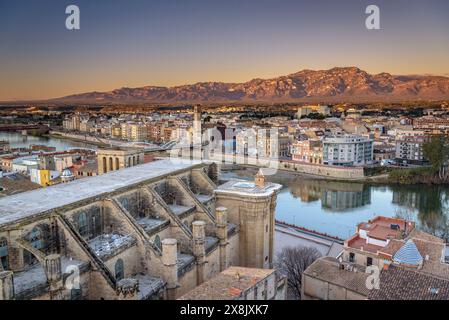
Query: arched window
(82,224)
(111,168)
(119,270)
(117,164)
(4,253)
(105,167)
(36,238)
(134,161)
(157,242)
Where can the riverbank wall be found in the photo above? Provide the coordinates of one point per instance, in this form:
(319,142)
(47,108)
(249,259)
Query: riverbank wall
(314,170)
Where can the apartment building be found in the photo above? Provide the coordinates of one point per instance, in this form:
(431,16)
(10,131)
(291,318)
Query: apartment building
(410,149)
(347,150)
(308,151)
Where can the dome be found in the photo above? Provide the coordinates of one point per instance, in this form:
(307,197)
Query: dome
(408,255)
(66,173)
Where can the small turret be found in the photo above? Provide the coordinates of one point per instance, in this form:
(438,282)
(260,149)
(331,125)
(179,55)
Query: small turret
(260,179)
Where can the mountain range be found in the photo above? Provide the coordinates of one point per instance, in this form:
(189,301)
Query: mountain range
(337,84)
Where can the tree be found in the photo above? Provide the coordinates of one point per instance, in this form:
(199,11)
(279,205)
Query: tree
(292,262)
(436,151)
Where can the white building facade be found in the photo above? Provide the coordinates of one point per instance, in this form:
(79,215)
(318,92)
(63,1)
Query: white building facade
(348,150)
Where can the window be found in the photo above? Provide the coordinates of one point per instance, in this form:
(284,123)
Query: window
(351,257)
(119,270)
(157,242)
(4,253)
(369,261)
(82,224)
(36,238)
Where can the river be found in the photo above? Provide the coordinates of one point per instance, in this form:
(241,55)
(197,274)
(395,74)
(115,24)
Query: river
(336,208)
(17,140)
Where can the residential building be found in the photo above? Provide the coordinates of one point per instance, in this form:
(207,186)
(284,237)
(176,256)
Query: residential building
(347,150)
(43,177)
(308,151)
(410,149)
(410,265)
(237,283)
(23,165)
(306,110)
(4,147)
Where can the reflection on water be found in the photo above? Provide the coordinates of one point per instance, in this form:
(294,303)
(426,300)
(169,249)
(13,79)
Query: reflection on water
(337,207)
(17,140)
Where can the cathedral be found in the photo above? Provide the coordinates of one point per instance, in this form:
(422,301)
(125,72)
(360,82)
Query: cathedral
(148,232)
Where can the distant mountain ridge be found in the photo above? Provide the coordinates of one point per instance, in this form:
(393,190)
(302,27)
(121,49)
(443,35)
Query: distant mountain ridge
(341,83)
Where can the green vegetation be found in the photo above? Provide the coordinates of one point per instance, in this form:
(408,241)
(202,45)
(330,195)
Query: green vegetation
(314,116)
(424,175)
(436,151)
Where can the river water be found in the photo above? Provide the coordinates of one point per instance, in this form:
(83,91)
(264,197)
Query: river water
(17,140)
(336,208)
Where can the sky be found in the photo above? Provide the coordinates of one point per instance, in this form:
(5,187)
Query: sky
(133,43)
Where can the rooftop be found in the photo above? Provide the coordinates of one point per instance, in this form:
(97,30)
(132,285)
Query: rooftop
(229,284)
(401,284)
(15,183)
(242,187)
(26,204)
(328,269)
(382,227)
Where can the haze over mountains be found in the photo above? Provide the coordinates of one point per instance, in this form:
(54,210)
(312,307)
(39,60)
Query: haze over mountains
(337,84)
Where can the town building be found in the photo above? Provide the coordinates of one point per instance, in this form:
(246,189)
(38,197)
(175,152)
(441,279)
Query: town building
(410,149)
(154,231)
(409,264)
(4,147)
(237,283)
(263,143)
(308,151)
(43,177)
(118,158)
(14,183)
(24,165)
(306,110)
(347,150)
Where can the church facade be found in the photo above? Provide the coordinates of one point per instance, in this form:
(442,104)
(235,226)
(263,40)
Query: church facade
(153,231)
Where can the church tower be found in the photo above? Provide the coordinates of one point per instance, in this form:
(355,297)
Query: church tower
(251,206)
